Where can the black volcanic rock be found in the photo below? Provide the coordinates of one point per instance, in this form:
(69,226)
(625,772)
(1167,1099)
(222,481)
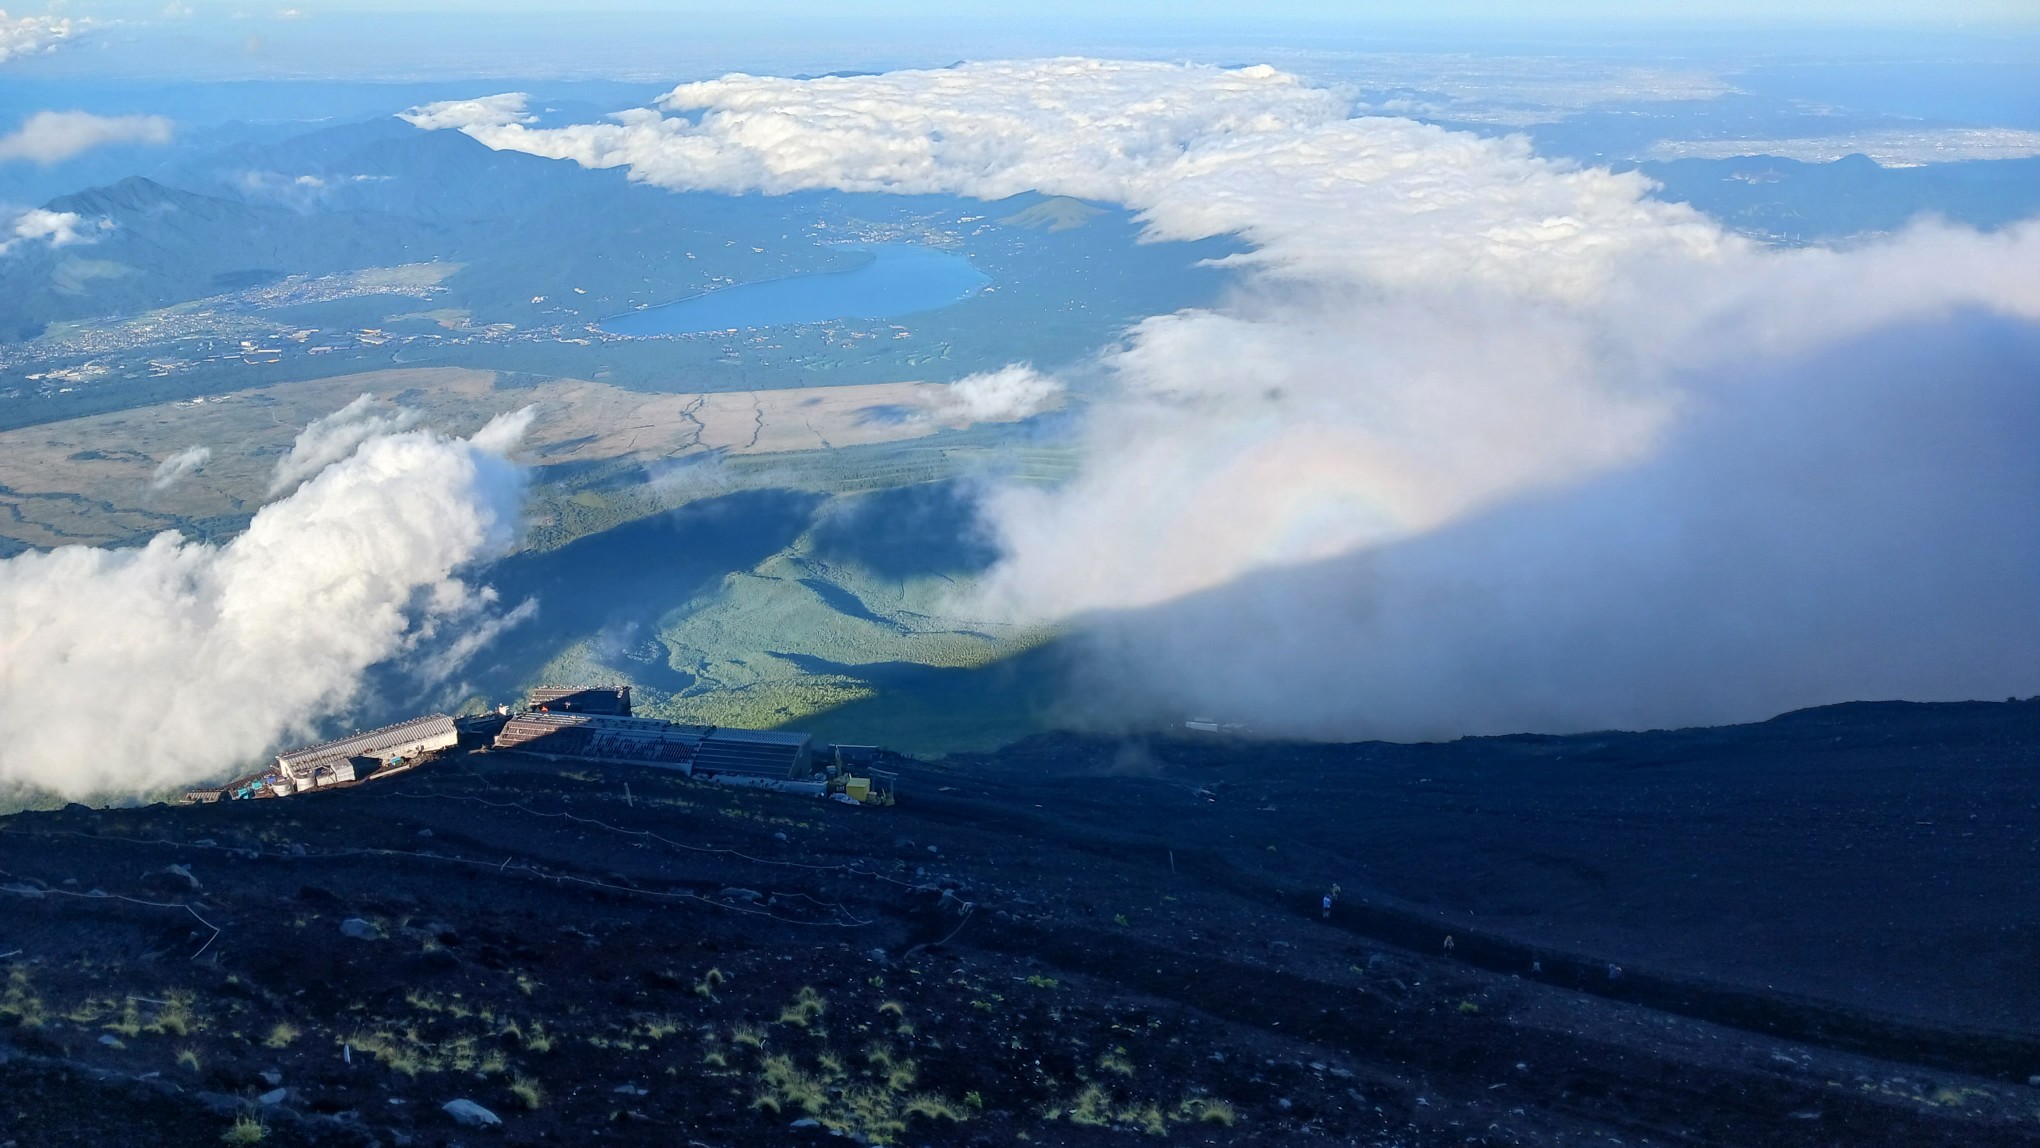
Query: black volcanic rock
(1091,956)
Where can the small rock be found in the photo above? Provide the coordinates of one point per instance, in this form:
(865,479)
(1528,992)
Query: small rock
(424,833)
(111,1041)
(173,877)
(781,837)
(206,842)
(471,1115)
(297,849)
(1285,1104)
(735,894)
(628,1090)
(2033,1081)
(273,1098)
(806,1122)
(271,1077)
(360,930)
(932,849)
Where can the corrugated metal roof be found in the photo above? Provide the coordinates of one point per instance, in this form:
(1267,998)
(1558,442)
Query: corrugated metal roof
(436,730)
(596,737)
(754,752)
(762,736)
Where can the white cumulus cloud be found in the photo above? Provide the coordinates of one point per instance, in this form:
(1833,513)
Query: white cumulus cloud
(1006,395)
(1201,151)
(127,670)
(493,111)
(56,228)
(1430,324)
(173,469)
(51,137)
(330,438)
(27,35)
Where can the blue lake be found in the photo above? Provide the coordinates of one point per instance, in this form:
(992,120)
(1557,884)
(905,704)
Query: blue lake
(901,279)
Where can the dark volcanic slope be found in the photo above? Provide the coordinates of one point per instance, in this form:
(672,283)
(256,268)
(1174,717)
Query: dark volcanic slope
(1077,941)
(1878,855)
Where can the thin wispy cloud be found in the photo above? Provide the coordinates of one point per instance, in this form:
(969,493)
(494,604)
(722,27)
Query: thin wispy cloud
(1915,147)
(52,137)
(179,466)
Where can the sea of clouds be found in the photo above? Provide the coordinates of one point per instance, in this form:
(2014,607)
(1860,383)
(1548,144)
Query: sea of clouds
(1480,441)
(1432,328)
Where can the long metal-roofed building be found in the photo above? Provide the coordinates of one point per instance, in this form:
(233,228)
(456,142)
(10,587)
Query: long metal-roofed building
(335,762)
(611,700)
(603,738)
(762,753)
(768,758)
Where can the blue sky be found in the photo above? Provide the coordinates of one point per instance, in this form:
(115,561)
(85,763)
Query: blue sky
(1842,11)
(646,39)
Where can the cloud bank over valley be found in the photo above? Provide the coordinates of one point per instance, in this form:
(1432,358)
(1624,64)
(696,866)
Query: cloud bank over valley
(197,657)
(1431,327)
(1431,324)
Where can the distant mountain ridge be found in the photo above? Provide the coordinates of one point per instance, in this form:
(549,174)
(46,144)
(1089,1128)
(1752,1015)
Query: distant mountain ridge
(377,193)
(167,246)
(385,165)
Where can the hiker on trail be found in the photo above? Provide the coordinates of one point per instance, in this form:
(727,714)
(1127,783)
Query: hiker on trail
(1328,905)
(1448,942)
